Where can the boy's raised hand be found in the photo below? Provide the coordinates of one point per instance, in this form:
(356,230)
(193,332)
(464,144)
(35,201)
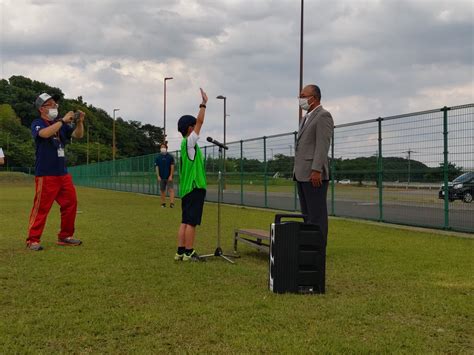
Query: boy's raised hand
(204,96)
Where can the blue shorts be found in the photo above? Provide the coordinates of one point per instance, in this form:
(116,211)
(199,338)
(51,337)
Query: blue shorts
(192,206)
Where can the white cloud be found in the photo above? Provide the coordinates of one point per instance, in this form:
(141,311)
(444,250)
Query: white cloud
(370,58)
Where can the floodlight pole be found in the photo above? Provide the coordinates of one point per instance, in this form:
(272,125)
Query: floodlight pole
(164,108)
(113,134)
(300,112)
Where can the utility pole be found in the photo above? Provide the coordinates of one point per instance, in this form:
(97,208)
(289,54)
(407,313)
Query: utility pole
(409,152)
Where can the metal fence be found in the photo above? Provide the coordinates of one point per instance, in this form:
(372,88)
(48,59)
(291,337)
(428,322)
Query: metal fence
(397,169)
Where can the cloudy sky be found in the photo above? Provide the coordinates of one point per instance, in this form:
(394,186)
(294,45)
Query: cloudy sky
(371,58)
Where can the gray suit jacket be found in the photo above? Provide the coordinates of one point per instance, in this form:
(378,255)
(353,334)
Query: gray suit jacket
(312,145)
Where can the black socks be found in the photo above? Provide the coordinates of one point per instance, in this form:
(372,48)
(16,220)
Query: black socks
(183,250)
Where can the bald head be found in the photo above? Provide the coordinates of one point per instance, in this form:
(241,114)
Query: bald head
(313,94)
(315,91)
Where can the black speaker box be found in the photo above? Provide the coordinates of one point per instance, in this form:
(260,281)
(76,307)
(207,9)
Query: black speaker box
(297,257)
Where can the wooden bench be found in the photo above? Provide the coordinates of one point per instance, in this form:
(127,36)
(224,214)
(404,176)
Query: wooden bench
(257,238)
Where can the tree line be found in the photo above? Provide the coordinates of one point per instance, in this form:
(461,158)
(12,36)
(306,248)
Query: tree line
(17,112)
(357,169)
(18,93)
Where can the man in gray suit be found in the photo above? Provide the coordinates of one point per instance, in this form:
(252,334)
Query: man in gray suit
(311,170)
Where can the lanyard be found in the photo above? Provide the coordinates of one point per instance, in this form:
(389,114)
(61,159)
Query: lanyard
(56,135)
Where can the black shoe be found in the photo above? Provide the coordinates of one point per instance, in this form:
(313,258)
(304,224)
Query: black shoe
(163,205)
(171,205)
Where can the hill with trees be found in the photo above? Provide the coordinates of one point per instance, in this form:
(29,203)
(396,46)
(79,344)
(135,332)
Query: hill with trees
(17,112)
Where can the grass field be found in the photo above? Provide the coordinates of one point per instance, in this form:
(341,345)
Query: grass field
(388,290)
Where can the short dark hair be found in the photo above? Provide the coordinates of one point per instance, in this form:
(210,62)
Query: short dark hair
(184,123)
(165,144)
(316,91)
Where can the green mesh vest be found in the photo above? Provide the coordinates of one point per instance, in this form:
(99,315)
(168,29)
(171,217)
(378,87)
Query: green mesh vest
(192,174)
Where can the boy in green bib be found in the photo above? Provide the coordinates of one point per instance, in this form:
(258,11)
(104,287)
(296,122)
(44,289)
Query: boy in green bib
(192,183)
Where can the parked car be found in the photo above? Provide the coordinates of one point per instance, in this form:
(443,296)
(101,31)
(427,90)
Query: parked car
(461,188)
(345,182)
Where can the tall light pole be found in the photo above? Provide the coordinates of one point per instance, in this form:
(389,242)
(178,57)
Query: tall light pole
(113,134)
(88,125)
(164,108)
(98,151)
(221,97)
(300,114)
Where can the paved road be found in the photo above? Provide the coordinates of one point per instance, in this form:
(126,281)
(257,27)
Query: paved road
(461,215)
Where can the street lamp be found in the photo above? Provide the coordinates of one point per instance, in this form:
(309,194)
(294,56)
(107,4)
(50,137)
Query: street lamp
(164,108)
(98,151)
(221,97)
(300,112)
(113,134)
(88,125)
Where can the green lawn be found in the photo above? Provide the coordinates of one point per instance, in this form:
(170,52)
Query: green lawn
(388,290)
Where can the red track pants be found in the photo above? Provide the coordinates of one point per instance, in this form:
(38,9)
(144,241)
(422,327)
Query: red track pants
(50,189)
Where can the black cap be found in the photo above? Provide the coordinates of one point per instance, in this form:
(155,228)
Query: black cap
(185,122)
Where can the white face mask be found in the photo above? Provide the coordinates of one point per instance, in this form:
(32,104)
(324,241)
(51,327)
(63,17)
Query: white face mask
(52,113)
(304,103)
(163,150)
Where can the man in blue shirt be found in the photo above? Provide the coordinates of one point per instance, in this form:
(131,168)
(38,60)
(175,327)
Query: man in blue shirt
(164,165)
(53,183)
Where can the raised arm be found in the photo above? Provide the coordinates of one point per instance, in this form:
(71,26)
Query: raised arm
(55,127)
(79,130)
(202,112)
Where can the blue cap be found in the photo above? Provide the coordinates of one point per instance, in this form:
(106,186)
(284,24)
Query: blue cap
(185,122)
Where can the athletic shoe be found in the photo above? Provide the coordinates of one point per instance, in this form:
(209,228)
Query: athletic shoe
(178,257)
(69,241)
(171,205)
(193,257)
(35,246)
(163,205)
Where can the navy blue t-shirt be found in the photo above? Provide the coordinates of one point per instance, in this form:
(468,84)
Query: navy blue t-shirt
(164,162)
(48,161)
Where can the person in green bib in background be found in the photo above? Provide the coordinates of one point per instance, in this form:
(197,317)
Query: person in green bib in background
(192,183)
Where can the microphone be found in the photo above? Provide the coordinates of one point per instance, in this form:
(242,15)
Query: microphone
(219,144)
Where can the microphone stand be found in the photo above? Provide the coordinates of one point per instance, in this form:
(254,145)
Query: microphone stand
(218,252)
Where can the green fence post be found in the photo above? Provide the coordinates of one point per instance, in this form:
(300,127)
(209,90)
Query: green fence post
(149,172)
(178,170)
(332,175)
(241,172)
(265,169)
(445,167)
(380,170)
(295,190)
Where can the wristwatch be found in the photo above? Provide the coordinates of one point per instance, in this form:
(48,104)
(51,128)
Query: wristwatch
(202,106)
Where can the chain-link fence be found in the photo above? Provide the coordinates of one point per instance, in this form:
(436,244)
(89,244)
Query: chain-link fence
(415,169)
